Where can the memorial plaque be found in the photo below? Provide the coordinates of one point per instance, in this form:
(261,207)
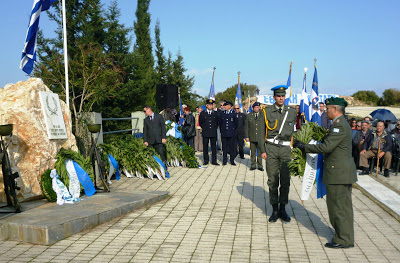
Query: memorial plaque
(53,115)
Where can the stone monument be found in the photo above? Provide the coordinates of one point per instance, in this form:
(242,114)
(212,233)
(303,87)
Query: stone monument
(31,150)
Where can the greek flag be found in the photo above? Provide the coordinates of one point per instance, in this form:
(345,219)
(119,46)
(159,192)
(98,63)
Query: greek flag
(289,85)
(29,51)
(315,113)
(304,102)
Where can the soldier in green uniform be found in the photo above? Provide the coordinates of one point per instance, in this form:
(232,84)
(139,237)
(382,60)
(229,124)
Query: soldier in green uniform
(255,134)
(339,173)
(281,123)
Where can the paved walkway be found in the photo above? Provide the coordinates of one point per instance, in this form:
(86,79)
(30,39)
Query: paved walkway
(220,214)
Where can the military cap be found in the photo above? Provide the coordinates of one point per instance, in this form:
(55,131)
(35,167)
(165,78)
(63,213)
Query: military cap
(336,101)
(228,103)
(210,101)
(256,104)
(279,90)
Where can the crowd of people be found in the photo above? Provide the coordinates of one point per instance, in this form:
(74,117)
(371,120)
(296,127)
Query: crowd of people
(268,132)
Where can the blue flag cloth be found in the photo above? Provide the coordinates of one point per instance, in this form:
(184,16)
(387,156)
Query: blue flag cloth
(304,101)
(289,85)
(162,165)
(29,52)
(315,113)
(84,179)
(238,99)
(250,108)
(181,119)
(211,94)
(115,165)
(321,187)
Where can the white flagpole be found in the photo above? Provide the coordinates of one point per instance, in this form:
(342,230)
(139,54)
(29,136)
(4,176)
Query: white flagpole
(65,53)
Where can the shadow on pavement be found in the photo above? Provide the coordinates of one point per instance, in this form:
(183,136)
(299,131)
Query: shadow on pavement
(308,219)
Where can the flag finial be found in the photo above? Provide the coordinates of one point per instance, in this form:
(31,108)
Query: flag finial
(315,62)
(305,70)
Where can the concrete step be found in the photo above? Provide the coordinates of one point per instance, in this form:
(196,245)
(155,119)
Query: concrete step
(49,223)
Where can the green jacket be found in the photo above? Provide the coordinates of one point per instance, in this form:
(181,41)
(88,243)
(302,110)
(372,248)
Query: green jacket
(274,116)
(255,129)
(339,167)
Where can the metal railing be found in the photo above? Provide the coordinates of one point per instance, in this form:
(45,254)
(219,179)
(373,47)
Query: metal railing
(119,119)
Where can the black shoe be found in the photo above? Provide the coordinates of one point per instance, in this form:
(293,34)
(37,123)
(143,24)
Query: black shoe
(224,163)
(336,245)
(217,164)
(252,169)
(365,171)
(261,169)
(233,163)
(282,214)
(386,173)
(205,163)
(241,157)
(274,217)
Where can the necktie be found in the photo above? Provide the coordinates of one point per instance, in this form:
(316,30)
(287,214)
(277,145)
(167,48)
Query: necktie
(256,116)
(280,110)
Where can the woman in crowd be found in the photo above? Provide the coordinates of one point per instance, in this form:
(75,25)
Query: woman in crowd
(188,130)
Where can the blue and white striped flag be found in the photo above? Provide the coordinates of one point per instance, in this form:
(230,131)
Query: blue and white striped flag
(29,52)
(315,113)
(211,95)
(304,101)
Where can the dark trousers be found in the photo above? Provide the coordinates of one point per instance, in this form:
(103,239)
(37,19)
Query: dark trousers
(159,147)
(213,141)
(239,140)
(340,210)
(278,173)
(228,147)
(189,141)
(255,148)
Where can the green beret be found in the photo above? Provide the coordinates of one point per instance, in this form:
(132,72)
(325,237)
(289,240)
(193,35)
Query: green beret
(336,101)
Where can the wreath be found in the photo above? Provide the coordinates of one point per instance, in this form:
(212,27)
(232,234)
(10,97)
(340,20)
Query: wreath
(65,154)
(53,111)
(309,131)
(47,186)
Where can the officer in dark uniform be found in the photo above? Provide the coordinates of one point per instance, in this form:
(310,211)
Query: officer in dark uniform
(208,121)
(240,133)
(280,125)
(339,173)
(228,124)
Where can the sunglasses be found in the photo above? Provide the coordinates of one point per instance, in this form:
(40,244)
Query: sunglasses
(237,108)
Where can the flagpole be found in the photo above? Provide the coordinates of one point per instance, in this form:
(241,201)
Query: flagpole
(65,53)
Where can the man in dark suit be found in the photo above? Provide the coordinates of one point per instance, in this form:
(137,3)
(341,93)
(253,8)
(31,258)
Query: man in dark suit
(339,173)
(228,123)
(154,134)
(208,121)
(325,121)
(240,133)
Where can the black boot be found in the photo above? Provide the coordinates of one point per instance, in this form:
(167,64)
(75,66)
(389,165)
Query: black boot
(274,217)
(282,213)
(365,171)
(386,173)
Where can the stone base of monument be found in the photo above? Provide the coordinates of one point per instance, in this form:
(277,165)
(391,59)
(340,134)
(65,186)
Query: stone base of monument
(46,223)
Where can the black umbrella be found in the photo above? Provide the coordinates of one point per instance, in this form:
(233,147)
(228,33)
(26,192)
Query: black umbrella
(383,114)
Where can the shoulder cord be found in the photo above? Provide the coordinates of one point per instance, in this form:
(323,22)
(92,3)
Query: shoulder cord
(266,124)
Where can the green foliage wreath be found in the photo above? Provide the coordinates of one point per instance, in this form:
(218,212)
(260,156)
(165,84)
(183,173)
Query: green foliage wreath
(309,131)
(46,186)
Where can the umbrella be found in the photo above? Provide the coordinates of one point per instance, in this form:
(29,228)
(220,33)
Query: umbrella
(383,114)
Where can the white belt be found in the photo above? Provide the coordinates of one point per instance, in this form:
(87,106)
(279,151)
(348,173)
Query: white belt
(278,142)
